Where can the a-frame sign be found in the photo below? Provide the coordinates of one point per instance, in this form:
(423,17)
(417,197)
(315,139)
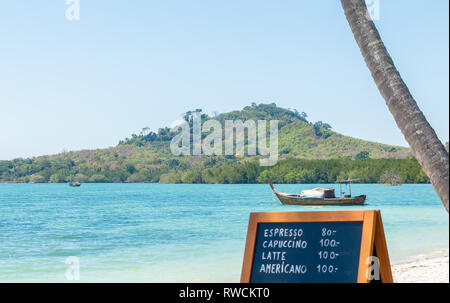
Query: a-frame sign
(316,247)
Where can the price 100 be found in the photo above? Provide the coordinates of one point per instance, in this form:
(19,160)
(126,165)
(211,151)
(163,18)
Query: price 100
(327,255)
(326,268)
(328,243)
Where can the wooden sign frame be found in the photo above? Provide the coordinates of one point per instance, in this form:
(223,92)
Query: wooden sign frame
(372,237)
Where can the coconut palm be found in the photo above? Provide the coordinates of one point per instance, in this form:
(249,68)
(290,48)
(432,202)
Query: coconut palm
(426,147)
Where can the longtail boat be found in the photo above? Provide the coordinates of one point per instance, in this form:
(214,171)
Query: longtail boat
(327,198)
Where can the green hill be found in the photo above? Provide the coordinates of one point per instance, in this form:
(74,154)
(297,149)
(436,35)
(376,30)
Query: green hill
(147,157)
(297,136)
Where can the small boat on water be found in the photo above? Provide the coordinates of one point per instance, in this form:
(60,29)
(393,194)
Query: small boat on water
(320,196)
(74,184)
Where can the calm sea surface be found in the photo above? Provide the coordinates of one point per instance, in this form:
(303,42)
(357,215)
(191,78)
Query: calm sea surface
(176,233)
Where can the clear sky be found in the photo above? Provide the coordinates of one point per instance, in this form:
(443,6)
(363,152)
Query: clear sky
(129,64)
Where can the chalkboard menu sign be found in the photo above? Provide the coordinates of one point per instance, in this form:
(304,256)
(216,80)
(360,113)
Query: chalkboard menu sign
(314,247)
(307,252)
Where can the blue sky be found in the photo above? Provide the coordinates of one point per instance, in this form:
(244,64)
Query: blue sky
(129,64)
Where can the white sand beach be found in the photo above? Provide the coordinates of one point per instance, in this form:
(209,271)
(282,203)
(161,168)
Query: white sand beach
(422,270)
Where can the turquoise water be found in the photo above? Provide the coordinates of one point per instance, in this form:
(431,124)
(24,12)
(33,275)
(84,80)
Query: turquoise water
(175,233)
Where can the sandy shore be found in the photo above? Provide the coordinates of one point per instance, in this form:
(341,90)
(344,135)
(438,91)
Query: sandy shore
(422,270)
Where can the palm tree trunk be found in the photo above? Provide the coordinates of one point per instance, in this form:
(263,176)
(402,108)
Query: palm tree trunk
(426,146)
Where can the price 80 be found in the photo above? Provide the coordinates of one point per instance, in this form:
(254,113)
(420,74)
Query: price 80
(328,232)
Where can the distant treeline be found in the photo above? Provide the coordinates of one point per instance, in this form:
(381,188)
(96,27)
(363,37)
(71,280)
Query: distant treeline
(215,170)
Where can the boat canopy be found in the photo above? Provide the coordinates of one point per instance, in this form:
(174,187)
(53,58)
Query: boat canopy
(318,192)
(312,193)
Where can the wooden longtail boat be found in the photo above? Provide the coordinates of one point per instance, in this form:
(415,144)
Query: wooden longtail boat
(74,184)
(294,199)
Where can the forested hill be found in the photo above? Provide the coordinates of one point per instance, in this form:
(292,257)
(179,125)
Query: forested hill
(298,137)
(146,157)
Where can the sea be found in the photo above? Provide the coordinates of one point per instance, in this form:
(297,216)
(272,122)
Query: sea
(177,232)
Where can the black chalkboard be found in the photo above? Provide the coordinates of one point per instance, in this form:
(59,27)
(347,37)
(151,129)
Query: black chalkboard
(309,252)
